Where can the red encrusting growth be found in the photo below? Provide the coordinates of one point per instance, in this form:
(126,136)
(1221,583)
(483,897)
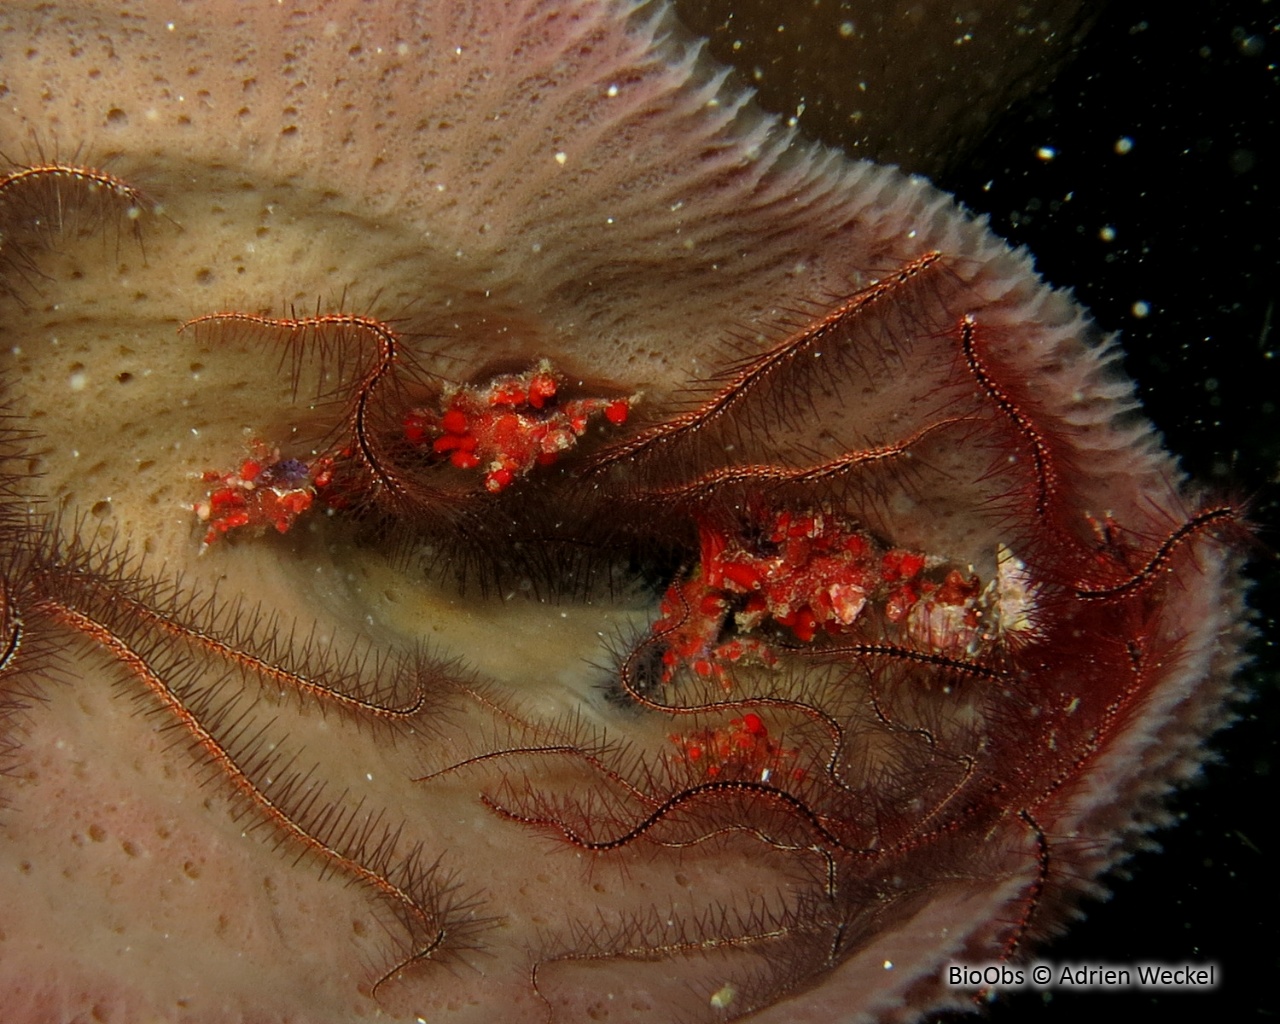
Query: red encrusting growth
(816,575)
(264,492)
(743,746)
(510,425)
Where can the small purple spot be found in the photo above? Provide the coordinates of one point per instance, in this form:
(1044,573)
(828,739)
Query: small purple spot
(287,473)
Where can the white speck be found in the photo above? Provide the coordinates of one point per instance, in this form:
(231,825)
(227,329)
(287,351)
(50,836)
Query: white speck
(888,965)
(195,432)
(369,776)
(536,247)
(1124,144)
(608,220)
(1107,234)
(169,25)
(77,381)
(561,157)
(611,92)
(1141,309)
(457,51)
(1046,153)
(1250,46)
(846,29)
